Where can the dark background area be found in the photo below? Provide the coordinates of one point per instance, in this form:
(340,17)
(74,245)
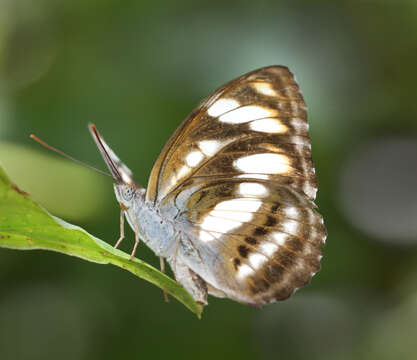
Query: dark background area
(136,70)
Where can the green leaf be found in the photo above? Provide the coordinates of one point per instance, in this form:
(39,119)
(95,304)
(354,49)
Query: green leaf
(24,225)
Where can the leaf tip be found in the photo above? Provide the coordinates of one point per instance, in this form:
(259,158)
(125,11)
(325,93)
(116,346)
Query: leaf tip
(200,308)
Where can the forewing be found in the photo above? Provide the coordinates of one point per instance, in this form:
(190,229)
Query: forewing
(254,126)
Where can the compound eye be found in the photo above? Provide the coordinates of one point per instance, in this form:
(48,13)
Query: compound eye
(128,193)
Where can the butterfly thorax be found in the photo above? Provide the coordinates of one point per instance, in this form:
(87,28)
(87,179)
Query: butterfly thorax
(155,231)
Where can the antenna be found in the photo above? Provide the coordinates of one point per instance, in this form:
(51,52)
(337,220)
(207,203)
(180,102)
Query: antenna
(43,143)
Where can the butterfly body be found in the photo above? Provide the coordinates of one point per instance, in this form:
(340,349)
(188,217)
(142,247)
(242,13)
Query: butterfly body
(155,231)
(229,201)
(163,236)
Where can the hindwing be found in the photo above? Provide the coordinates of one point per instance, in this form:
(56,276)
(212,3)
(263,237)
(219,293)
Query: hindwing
(252,240)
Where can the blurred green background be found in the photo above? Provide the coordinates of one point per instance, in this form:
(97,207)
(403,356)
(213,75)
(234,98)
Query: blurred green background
(136,69)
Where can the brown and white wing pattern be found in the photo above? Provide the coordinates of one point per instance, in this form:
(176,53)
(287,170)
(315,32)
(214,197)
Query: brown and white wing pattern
(238,180)
(262,112)
(254,241)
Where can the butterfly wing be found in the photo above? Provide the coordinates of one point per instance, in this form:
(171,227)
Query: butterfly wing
(253,240)
(255,112)
(238,180)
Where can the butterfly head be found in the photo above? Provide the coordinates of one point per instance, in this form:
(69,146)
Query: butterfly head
(125,194)
(125,186)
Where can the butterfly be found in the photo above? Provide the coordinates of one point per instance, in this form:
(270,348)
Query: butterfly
(230,199)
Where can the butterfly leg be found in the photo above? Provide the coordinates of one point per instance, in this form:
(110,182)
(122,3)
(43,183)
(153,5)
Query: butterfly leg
(162,266)
(132,255)
(122,228)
